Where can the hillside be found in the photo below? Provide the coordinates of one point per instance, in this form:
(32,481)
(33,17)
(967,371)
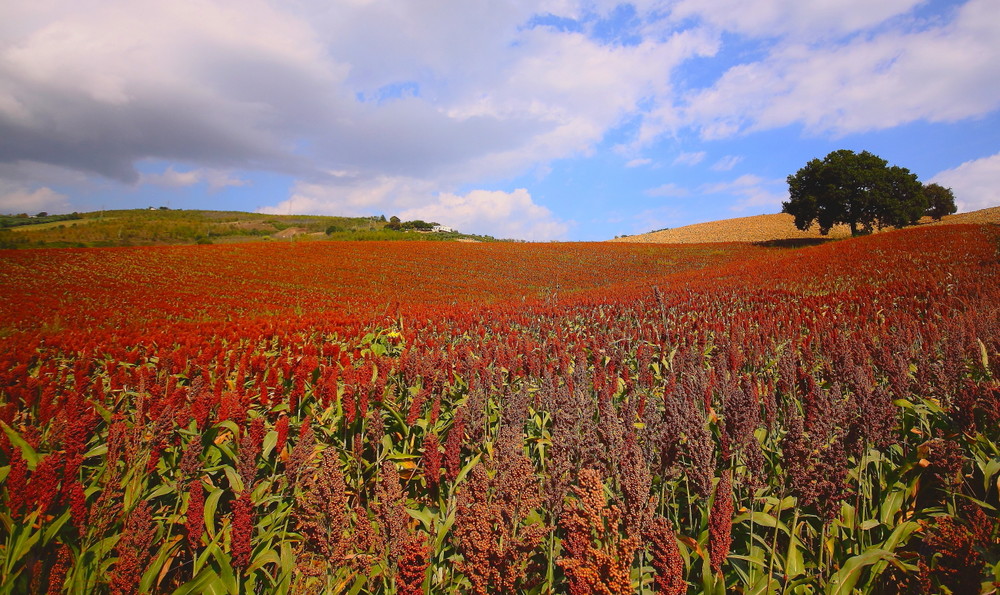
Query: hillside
(781,226)
(154,227)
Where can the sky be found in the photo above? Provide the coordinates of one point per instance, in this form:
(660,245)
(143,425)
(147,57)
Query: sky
(539,120)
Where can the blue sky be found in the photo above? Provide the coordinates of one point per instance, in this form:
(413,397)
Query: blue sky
(542,120)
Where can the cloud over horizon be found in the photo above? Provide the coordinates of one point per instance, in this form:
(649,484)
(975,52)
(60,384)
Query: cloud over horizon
(393,107)
(973,182)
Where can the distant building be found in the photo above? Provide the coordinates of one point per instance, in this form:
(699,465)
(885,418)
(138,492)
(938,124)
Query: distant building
(442,229)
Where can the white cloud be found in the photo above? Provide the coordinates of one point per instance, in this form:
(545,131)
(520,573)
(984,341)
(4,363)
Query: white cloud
(693,158)
(774,18)
(354,196)
(171,178)
(726,163)
(257,85)
(15,200)
(974,183)
(496,213)
(575,89)
(97,86)
(638,162)
(217,179)
(943,73)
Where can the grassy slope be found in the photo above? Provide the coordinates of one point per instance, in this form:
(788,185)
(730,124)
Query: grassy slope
(781,226)
(142,227)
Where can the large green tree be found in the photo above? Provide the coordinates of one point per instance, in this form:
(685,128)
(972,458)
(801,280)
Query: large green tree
(856,189)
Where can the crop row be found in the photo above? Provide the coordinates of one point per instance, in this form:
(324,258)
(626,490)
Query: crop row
(503,418)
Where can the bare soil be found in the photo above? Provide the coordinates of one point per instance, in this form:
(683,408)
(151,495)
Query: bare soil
(290,232)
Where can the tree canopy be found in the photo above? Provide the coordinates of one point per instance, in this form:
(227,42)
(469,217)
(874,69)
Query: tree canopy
(863,191)
(940,201)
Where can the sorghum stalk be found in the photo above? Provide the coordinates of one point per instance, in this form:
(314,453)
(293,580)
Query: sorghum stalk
(774,538)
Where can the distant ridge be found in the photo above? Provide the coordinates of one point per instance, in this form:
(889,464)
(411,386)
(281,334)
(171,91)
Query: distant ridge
(780,226)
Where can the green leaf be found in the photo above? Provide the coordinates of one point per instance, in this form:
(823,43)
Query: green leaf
(229,425)
(159,565)
(211,503)
(843,581)
(226,574)
(263,558)
(468,467)
(763,584)
(207,581)
(235,481)
(27,451)
(164,489)
(359,584)
(794,564)
(443,530)
(891,506)
(270,441)
(286,562)
(97,451)
(900,535)
(846,518)
(425,515)
(707,579)
(761,518)
(53,528)
(991,469)
(869,524)
(23,537)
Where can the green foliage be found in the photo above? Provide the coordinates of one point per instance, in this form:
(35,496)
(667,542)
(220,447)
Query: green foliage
(940,201)
(42,218)
(856,189)
(418,225)
(141,227)
(157,227)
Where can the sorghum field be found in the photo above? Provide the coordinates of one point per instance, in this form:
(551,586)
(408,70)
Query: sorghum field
(503,418)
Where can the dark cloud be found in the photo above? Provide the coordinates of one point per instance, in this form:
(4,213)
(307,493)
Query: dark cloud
(246,111)
(81,133)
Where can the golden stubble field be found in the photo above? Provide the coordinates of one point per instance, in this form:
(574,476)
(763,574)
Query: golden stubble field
(780,226)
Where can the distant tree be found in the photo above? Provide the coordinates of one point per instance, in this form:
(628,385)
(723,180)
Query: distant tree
(940,201)
(419,225)
(42,214)
(394,223)
(334,229)
(855,189)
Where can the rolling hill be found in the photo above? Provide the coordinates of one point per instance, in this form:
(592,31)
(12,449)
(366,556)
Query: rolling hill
(777,227)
